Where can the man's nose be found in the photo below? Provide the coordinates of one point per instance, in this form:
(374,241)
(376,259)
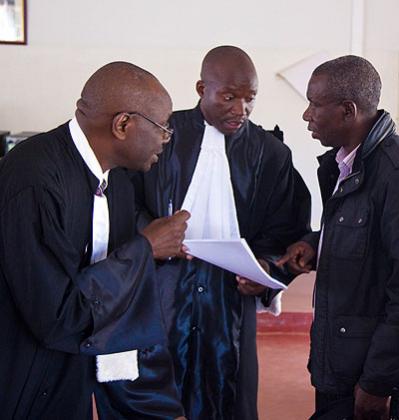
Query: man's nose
(239,107)
(306,115)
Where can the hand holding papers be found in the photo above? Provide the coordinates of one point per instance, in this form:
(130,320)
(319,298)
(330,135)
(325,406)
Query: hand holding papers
(233,255)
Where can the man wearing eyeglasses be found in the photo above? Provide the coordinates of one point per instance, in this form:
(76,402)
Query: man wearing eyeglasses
(237,181)
(79,306)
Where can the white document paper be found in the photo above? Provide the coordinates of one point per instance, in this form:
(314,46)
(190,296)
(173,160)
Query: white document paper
(233,255)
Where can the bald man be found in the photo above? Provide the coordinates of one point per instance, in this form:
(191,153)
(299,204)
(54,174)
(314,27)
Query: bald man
(237,181)
(76,280)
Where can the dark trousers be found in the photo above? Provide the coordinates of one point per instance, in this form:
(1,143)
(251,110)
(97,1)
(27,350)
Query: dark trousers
(341,406)
(333,406)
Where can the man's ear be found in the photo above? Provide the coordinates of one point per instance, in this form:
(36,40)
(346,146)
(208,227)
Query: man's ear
(120,124)
(350,110)
(200,87)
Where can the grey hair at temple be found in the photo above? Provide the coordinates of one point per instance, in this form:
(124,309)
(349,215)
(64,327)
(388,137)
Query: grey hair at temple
(352,78)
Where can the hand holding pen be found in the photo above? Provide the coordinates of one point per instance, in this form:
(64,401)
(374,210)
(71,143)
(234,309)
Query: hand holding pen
(184,249)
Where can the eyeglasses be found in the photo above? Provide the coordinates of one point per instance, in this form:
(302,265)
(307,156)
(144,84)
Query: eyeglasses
(165,129)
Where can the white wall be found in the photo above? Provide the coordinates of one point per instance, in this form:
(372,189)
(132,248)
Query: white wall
(68,40)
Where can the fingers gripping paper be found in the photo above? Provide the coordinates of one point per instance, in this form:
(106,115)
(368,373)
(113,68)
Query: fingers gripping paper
(233,255)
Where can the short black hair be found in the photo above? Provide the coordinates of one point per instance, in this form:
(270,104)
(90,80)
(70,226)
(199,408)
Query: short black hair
(352,78)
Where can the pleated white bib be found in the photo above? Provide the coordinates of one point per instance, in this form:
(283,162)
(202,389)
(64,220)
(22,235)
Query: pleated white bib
(210,198)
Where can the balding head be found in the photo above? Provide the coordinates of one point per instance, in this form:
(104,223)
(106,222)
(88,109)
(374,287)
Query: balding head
(110,113)
(117,87)
(227,88)
(225,61)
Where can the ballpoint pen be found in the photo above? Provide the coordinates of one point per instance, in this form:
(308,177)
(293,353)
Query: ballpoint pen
(170,213)
(170,207)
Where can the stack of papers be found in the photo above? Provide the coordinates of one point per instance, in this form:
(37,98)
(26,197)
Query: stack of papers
(233,255)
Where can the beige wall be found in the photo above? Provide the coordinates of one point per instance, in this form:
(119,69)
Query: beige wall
(68,40)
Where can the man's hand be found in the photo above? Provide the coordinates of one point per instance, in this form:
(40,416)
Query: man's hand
(298,258)
(370,407)
(249,287)
(166,235)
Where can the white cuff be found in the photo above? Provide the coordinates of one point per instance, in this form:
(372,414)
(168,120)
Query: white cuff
(117,366)
(274,308)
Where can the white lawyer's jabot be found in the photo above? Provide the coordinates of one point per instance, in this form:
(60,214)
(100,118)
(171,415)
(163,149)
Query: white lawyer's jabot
(210,198)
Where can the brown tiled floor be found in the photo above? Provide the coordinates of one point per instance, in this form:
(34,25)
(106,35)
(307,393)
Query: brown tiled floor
(284,387)
(285,392)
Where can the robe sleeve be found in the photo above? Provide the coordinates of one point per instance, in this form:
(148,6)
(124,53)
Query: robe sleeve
(313,239)
(152,396)
(110,306)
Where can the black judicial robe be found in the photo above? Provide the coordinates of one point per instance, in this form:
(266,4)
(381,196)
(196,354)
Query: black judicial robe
(56,310)
(212,327)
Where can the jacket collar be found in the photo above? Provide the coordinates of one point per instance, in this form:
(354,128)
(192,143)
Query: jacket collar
(383,128)
(328,170)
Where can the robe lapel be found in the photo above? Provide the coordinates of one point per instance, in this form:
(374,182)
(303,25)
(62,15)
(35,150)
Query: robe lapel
(186,158)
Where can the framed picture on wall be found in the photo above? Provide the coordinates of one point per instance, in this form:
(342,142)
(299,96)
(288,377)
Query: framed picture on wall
(12,21)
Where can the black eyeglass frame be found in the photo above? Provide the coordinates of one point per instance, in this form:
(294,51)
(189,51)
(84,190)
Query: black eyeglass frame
(167,130)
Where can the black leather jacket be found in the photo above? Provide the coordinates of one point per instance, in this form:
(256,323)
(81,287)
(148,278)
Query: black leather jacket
(355,333)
